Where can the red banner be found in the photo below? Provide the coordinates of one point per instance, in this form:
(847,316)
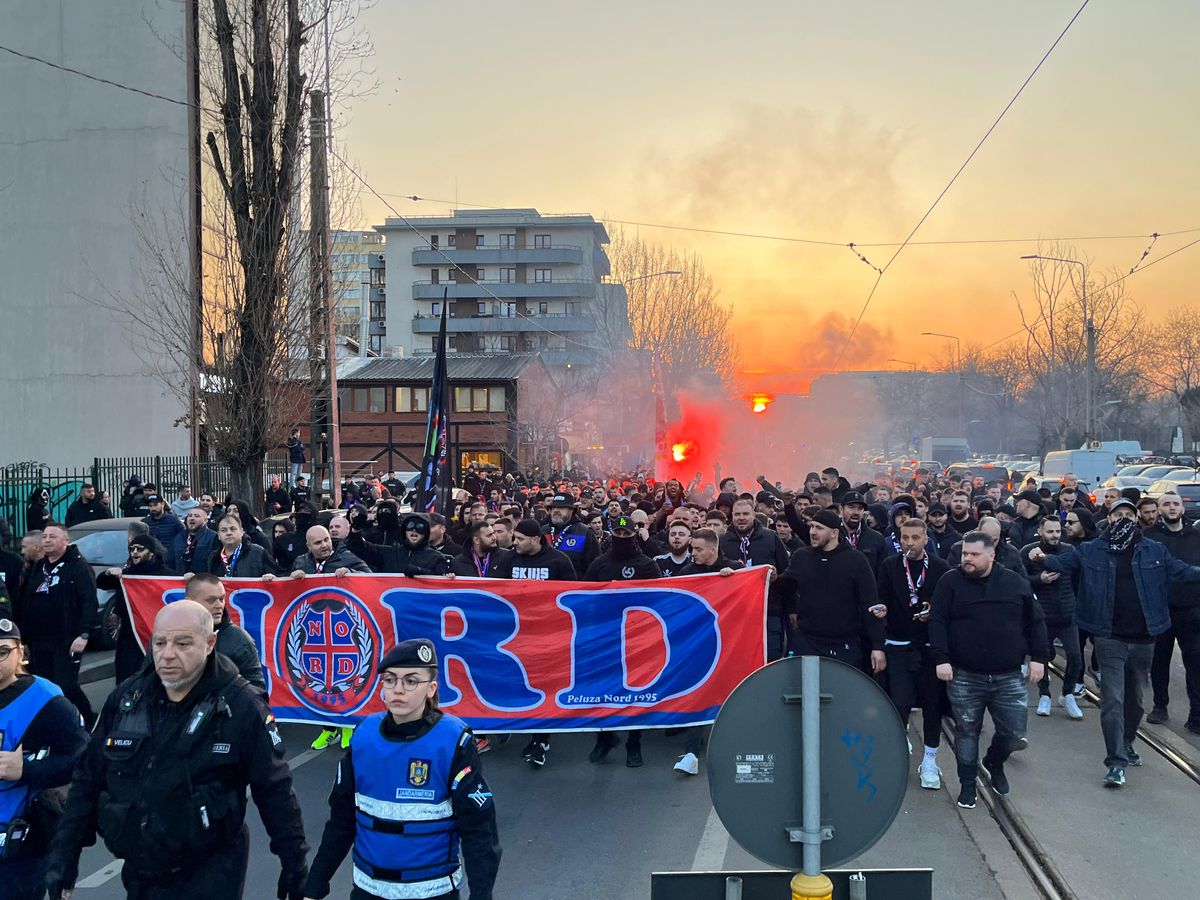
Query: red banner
(512,655)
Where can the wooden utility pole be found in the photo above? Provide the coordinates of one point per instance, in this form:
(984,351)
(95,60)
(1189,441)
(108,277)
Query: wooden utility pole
(322,343)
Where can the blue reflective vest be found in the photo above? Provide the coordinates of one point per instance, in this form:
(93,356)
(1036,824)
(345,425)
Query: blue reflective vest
(406,843)
(14,720)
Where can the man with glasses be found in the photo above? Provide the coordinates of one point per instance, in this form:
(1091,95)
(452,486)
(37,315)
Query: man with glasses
(410,795)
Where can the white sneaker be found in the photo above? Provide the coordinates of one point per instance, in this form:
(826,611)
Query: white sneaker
(1044,706)
(1071,705)
(910,748)
(688,764)
(931,775)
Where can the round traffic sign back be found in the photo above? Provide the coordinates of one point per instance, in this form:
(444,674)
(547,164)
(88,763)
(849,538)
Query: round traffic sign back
(755,765)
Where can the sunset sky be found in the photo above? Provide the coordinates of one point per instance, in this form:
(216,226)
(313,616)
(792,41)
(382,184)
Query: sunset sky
(837,122)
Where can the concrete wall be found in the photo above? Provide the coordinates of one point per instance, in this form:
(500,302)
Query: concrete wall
(77,159)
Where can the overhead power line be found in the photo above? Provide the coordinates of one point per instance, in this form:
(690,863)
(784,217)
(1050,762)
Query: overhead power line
(987,134)
(90,77)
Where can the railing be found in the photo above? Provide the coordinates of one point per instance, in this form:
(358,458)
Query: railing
(168,473)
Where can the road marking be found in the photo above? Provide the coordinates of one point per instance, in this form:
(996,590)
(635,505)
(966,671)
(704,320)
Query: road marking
(96,879)
(113,869)
(714,844)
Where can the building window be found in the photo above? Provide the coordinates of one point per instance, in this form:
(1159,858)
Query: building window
(378,309)
(508,241)
(433,241)
(541,242)
(373,400)
(437,309)
(508,276)
(480,274)
(412,399)
(483,308)
(375,343)
(508,309)
(451,240)
(541,276)
(479,399)
(543,308)
(433,276)
(451,342)
(479,240)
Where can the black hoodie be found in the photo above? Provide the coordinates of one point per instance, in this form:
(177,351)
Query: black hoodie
(547,564)
(405,559)
(624,562)
(830,591)
(67,609)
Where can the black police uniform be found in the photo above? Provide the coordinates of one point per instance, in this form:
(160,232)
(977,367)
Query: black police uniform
(409,847)
(164,784)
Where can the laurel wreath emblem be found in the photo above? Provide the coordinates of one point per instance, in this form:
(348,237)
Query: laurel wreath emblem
(363,642)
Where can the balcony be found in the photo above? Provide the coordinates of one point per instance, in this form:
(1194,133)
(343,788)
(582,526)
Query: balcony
(489,324)
(504,290)
(494,254)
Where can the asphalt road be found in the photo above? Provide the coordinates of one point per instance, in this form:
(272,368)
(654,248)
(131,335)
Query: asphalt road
(574,829)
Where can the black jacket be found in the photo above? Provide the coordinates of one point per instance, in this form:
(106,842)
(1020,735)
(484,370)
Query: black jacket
(668,566)
(1057,599)
(894,593)
(1022,532)
(766,549)
(941,544)
(624,562)
(577,541)
(830,591)
(67,609)
(79,512)
(464,563)
(871,544)
(277,496)
(694,568)
(475,821)
(235,642)
(401,558)
(341,558)
(987,625)
(1184,545)
(252,562)
(547,564)
(137,788)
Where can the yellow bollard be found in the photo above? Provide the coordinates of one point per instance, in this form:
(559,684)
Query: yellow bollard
(812,887)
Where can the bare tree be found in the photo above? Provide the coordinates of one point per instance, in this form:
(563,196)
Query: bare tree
(1055,350)
(676,317)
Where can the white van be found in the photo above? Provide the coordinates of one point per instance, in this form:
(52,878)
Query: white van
(1091,467)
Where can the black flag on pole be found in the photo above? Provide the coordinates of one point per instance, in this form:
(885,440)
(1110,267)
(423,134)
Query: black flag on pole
(435,468)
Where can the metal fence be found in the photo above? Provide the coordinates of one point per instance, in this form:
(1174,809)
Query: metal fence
(18,481)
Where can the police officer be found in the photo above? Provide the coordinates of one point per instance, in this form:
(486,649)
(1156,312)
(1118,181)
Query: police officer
(409,795)
(164,777)
(41,739)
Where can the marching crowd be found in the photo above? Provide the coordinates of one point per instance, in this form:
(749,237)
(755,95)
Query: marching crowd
(953,593)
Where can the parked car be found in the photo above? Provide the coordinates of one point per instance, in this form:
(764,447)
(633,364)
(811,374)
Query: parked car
(1133,470)
(1156,472)
(1181,475)
(1127,481)
(103,544)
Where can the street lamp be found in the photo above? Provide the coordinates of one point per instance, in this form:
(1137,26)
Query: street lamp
(962,374)
(1089,405)
(903,362)
(626,281)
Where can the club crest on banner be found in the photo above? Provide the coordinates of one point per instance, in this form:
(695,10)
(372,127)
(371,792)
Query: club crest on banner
(328,644)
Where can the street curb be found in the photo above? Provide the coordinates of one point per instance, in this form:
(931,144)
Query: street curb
(99,670)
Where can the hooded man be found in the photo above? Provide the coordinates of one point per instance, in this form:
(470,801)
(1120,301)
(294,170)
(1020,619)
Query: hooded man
(292,544)
(624,560)
(567,534)
(412,558)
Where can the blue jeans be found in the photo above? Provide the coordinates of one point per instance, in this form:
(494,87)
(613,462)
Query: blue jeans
(776,638)
(1123,670)
(296,467)
(1004,696)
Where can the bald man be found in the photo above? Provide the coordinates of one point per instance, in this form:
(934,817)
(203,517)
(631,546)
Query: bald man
(232,640)
(164,780)
(323,558)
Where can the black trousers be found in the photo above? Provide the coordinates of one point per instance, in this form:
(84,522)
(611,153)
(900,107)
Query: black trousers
(221,875)
(911,677)
(53,661)
(849,651)
(1185,629)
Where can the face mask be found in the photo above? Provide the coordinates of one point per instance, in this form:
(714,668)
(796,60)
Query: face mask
(387,519)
